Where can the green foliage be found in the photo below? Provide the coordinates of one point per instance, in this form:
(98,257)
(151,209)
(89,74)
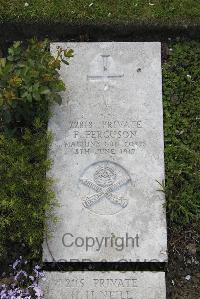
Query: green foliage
(29,81)
(25,192)
(181,77)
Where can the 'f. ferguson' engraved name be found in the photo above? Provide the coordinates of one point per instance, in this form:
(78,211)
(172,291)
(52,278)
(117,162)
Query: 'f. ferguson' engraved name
(105,134)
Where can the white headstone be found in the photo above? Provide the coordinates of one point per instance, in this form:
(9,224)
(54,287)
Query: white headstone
(104,285)
(108,156)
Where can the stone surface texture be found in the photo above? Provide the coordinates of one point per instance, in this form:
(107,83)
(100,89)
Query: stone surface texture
(104,285)
(108,156)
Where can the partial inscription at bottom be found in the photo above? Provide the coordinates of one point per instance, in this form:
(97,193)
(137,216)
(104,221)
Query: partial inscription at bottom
(104,285)
(104,186)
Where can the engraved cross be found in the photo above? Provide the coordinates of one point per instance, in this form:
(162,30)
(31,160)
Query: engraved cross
(105,71)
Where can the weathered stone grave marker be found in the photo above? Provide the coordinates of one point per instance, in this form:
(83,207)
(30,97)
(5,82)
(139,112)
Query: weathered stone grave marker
(108,155)
(108,158)
(104,285)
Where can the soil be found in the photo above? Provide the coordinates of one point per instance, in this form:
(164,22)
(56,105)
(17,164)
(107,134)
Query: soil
(183,269)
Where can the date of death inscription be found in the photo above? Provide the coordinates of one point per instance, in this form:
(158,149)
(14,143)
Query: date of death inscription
(102,137)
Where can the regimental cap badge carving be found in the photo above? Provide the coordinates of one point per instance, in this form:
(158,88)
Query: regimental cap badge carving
(105,185)
(105,176)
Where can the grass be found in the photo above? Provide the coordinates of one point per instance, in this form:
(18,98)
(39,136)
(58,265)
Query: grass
(177,12)
(181,94)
